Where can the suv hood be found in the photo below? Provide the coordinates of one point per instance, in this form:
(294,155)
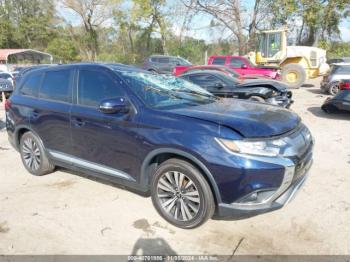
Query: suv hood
(250,119)
(263,83)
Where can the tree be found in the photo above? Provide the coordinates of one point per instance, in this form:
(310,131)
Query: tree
(235,17)
(150,12)
(26,23)
(63,50)
(92,13)
(319,19)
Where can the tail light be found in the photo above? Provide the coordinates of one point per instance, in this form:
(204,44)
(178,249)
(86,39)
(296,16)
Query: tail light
(7,104)
(345,85)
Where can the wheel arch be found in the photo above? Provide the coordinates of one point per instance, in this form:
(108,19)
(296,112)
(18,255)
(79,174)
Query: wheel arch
(300,60)
(158,156)
(20,130)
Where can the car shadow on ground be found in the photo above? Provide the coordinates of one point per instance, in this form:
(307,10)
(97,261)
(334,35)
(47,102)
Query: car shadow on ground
(308,85)
(317,111)
(316,91)
(152,246)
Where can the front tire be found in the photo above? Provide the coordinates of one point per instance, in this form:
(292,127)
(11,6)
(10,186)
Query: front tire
(181,194)
(33,155)
(294,75)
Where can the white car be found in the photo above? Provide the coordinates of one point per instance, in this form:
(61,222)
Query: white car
(7,76)
(338,72)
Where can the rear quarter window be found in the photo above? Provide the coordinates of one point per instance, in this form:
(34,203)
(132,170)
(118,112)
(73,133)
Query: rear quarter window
(55,86)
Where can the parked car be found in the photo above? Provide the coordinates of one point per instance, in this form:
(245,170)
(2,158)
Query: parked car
(195,154)
(6,87)
(243,66)
(340,103)
(224,69)
(344,85)
(338,60)
(331,81)
(164,64)
(261,90)
(7,76)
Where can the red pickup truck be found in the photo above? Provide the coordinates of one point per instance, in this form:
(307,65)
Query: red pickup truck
(244,67)
(239,64)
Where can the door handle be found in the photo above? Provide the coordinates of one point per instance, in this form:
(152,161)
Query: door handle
(35,114)
(77,122)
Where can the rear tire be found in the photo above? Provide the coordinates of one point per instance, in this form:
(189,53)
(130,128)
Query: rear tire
(294,75)
(181,194)
(333,88)
(33,155)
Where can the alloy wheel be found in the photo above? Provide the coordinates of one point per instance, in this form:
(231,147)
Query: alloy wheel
(31,154)
(178,196)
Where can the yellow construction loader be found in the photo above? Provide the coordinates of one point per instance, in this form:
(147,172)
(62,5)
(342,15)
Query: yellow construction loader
(297,63)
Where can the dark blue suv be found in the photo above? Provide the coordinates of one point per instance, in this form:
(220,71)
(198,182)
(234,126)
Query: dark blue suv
(195,154)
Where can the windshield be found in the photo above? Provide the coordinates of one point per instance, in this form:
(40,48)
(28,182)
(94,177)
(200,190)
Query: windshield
(340,69)
(184,61)
(163,91)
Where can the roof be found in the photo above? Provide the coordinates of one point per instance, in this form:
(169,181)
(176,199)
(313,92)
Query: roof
(342,64)
(5,53)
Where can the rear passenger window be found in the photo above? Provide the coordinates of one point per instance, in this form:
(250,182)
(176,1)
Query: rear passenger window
(236,62)
(55,86)
(164,60)
(31,85)
(95,86)
(219,61)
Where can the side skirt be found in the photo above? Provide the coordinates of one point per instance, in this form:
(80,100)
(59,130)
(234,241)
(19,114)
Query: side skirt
(96,170)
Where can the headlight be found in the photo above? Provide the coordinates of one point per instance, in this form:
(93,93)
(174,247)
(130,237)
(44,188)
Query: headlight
(259,148)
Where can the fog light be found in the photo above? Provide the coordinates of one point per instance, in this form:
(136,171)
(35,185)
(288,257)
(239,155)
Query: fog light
(257,197)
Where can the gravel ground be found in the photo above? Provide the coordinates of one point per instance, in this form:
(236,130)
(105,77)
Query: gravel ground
(69,213)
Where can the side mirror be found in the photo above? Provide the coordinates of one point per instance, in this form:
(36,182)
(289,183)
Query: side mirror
(114,105)
(244,66)
(219,85)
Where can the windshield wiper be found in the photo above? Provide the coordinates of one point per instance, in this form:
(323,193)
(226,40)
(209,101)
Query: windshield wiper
(156,90)
(196,93)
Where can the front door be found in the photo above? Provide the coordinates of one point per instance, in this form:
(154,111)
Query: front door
(102,142)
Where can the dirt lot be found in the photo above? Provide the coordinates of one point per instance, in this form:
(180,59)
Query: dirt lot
(66,213)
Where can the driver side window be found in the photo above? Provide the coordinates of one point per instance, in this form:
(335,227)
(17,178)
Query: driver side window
(95,86)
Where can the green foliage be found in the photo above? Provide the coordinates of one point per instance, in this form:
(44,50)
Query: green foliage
(336,49)
(320,19)
(63,50)
(25,23)
(136,29)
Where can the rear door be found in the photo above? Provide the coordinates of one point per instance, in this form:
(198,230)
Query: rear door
(164,65)
(237,64)
(50,114)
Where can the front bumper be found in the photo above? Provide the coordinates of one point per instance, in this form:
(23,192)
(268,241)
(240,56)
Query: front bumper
(284,100)
(284,196)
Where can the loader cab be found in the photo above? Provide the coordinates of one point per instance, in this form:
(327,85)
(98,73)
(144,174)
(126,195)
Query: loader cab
(271,46)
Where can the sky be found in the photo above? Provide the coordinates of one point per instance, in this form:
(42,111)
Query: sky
(200,28)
